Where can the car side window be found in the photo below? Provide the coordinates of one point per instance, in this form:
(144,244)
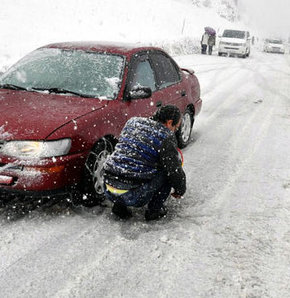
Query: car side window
(166,70)
(144,75)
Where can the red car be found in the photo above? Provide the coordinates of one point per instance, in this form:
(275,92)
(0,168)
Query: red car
(63,106)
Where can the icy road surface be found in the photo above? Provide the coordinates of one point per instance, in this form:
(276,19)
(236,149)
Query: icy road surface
(228,237)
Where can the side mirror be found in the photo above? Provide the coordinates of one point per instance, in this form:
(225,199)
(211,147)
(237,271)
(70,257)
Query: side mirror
(140,92)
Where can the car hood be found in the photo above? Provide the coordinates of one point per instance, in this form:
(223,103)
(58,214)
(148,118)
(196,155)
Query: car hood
(33,115)
(232,40)
(275,45)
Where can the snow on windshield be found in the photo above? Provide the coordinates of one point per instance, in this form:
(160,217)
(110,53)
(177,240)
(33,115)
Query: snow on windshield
(86,73)
(274,41)
(234,34)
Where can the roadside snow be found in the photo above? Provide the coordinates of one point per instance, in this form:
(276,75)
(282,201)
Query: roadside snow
(175,25)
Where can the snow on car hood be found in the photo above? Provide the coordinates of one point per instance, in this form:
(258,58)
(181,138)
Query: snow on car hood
(32,115)
(275,45)
(232,40)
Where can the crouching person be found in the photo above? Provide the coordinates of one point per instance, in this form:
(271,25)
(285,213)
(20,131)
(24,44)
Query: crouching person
(145,166)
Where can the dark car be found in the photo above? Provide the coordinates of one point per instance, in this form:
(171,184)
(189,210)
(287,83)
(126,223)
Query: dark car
(63,107)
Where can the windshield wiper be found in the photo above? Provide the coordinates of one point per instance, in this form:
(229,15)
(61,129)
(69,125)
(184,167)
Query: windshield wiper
(61,90)
(12,86)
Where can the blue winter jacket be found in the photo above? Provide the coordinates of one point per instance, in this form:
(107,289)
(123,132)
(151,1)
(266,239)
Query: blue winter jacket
(145,148)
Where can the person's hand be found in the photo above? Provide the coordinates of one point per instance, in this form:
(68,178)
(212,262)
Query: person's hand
(176,196)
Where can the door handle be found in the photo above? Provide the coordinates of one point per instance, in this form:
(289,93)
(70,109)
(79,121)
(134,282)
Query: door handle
(159,104)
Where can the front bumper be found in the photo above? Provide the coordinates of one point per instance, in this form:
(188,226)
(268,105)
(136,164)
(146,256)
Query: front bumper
(41,176)
(275,50)
(230,49)
(6,193)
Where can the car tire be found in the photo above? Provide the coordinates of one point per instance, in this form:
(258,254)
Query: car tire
(184,132)
(92,188)
(219,53)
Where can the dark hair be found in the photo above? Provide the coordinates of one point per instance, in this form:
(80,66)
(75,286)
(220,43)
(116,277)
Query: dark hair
(166,113)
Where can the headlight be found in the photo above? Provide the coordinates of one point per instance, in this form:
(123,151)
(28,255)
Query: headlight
(36,149)
(222,42)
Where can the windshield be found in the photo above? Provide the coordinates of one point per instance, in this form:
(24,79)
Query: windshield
(89,74)
(234,34)
(275,41)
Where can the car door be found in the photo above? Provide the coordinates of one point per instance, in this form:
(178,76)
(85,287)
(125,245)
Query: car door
(158,71)
(141,73)
(171,87)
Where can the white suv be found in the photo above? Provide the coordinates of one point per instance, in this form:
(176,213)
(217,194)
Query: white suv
(274,46)
(235,42)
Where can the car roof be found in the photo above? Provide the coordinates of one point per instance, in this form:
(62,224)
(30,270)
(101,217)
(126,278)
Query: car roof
(126,49)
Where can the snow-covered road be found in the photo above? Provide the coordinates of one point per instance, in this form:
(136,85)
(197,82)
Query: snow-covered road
(228,237)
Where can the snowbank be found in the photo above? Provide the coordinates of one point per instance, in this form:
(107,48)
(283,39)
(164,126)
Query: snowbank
(175,25)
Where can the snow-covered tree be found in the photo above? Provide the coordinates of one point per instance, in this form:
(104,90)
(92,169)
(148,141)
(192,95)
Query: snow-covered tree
(227,9)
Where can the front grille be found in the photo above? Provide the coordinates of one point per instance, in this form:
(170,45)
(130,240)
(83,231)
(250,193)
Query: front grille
(233,44)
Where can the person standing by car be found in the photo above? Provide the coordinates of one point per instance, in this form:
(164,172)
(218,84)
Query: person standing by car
(145,165)
(204,42)
(211,43)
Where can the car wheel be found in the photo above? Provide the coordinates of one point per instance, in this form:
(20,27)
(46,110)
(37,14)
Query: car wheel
(184,132)
(219,53)
(93,182)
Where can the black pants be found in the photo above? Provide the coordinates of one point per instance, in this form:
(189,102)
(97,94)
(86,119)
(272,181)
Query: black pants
(203,48)
(209,50)
(154,193)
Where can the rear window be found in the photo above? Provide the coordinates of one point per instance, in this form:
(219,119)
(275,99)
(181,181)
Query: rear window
(167,72)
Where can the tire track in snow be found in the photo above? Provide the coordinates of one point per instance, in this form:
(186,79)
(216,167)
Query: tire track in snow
(37,265)
(229,142)
(222,241)
(240,162)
